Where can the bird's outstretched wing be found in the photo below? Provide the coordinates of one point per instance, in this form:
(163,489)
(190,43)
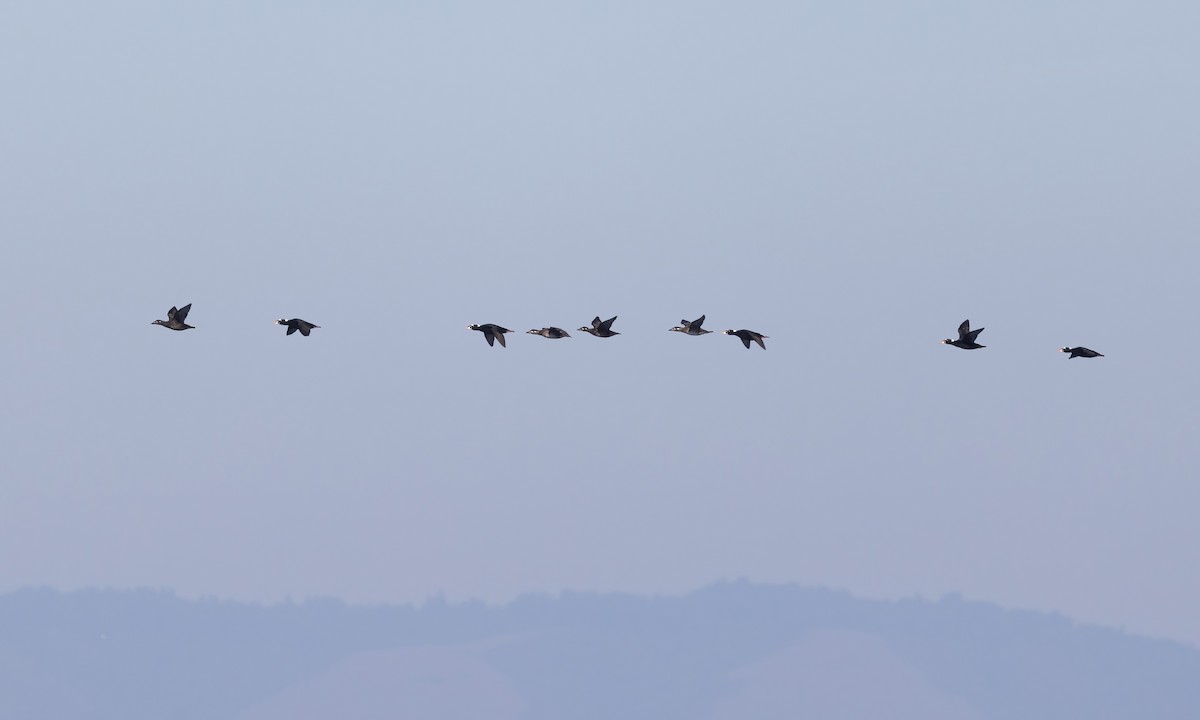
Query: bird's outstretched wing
(499,336)
(964,330)
(607,324)
(292,328)
(695,324)
(181,313)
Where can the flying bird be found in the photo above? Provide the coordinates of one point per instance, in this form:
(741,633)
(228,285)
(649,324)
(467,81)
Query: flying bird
(691,328)
(601,329)
(748,336)
(550,332)
(175,319)
(297,324)
(966,337)
(1080,352)
(491,333)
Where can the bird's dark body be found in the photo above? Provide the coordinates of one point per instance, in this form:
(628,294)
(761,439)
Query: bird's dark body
(691,327)
(297,324)
(601,328)
(175,318)
(491,333)
(748,336)
(966,337)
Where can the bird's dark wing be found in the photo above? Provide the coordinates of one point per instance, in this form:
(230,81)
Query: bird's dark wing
(305,329)
(745,340)
(181,314)
(596,322)
(292,328)
(490,337)
(500,336)
(607,324)
(758,339)
(970,337)
(695,324)
(964,329)
(171,313)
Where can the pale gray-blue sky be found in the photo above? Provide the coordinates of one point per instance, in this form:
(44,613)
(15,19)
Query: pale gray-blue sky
(852,179)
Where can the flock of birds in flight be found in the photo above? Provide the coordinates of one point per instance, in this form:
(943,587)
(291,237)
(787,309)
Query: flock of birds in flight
(603,328)
(176,318)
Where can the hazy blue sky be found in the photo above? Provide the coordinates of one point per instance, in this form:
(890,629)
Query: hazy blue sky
(850,178)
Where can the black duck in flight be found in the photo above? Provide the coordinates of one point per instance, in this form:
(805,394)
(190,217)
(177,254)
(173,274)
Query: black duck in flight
(297,324)
(966,337)
(550,332)
(175,319)
(491,333)
(601,329)
(1080,352)
(691,328)
(748,336)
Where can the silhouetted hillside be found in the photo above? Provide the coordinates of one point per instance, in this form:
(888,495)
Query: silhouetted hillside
(733,650)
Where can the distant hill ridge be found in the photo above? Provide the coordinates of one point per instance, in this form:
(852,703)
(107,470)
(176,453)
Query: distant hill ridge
(731,650)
